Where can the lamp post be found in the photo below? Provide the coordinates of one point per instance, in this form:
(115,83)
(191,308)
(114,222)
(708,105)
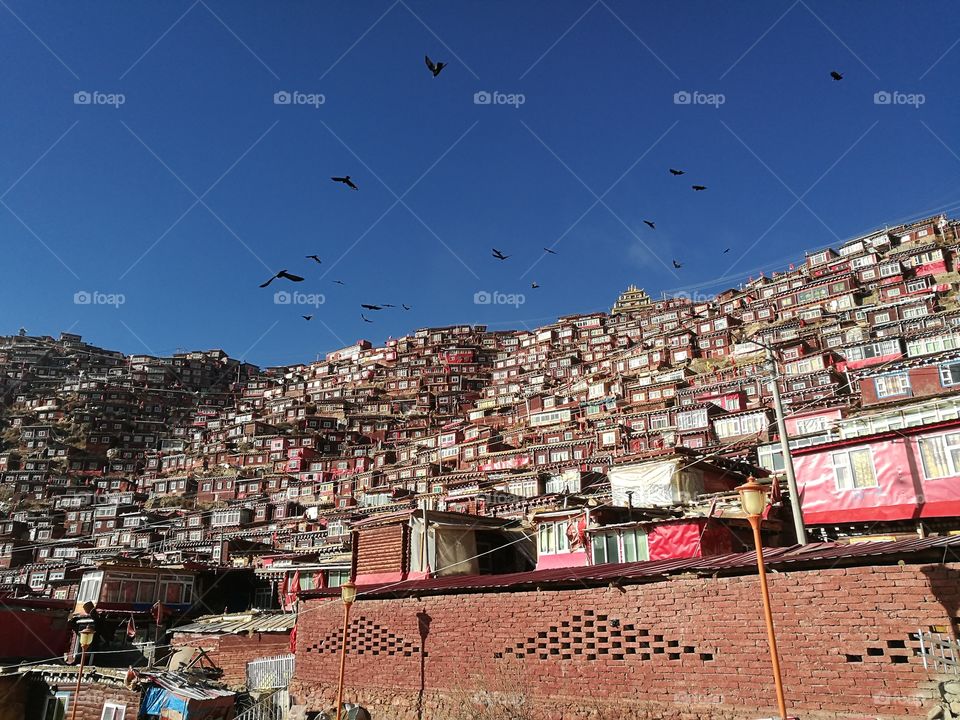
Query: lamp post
(348,593)
(86,639)
(753,500)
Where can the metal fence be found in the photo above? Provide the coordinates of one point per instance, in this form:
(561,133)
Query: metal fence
(269,673)
(940,653)
(275,706)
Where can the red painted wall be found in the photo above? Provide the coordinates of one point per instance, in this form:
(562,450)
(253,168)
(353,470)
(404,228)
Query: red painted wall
(902,491)
(32,634)
(684,647)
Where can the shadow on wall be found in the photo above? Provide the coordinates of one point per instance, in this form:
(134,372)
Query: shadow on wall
(945,587)
(423,628)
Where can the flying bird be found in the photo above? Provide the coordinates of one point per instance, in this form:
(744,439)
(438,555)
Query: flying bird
(371,307)
(346,181)
(433,67)
(339,282)
(698,188)
(388,305)
(534,285)
(364,318)
(308,318)
(548,250)
(499,255)
(677,172)
(835,75)
(652,225)
(405,307)
(725,251)
(285,275)
(677,265)
(313,257)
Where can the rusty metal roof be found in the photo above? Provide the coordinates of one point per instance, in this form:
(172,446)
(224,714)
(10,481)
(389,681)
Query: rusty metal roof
(236,623)
(822,555)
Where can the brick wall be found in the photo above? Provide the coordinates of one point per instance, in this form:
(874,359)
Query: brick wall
(381,550)
(94,695)
(231,653)
(689,646)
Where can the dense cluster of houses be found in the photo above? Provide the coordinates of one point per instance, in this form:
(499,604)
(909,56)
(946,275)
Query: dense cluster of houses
(163,488)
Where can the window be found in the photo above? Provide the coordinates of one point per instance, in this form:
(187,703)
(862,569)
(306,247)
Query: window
(940,455)
(56,706)
(854,469)
(552,538)
(113,711)
(90,587)
(692,419)
(741,425)
(627,545)
(892,385)
(950,374)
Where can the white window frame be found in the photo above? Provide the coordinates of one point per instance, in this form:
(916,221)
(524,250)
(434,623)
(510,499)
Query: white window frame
(113,711)
(950,448)
(892,385)
(843,469)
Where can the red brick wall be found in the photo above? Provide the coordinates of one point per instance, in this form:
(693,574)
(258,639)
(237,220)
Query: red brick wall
(381,550)
(695,646)
(231,653)
(94,695)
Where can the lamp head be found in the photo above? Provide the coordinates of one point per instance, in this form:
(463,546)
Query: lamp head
(348,593)
(753,497)
(86,637)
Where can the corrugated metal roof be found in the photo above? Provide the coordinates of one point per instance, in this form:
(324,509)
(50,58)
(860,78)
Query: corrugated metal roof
(237,623)
(814,554)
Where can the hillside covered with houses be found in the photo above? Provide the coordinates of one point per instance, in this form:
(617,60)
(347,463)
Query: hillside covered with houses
(166,490)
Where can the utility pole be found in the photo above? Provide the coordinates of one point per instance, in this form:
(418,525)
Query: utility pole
(798,526)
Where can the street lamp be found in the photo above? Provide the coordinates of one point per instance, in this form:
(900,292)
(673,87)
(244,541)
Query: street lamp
(86,640)
(348,593)
(753,500)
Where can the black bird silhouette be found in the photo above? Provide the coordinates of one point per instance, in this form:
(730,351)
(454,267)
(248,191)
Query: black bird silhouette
(339,282)
(534,285)
(725,251)
(499,255)
(285,275)
(677,172)
(307,317)
(677,265)
(388,305)
(405,307)
(835,75)
(371,307)
(652,226)
(364,317)
(435,68)
(346,181)
(698,188)
(552,252)
(313,257)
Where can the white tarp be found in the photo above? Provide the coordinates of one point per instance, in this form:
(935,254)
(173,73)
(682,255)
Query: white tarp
(450,549)
(654,484)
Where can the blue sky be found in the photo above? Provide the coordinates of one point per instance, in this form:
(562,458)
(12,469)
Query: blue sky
(198,187)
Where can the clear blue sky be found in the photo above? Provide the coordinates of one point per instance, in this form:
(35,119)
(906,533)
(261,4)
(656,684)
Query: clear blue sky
(98,198)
